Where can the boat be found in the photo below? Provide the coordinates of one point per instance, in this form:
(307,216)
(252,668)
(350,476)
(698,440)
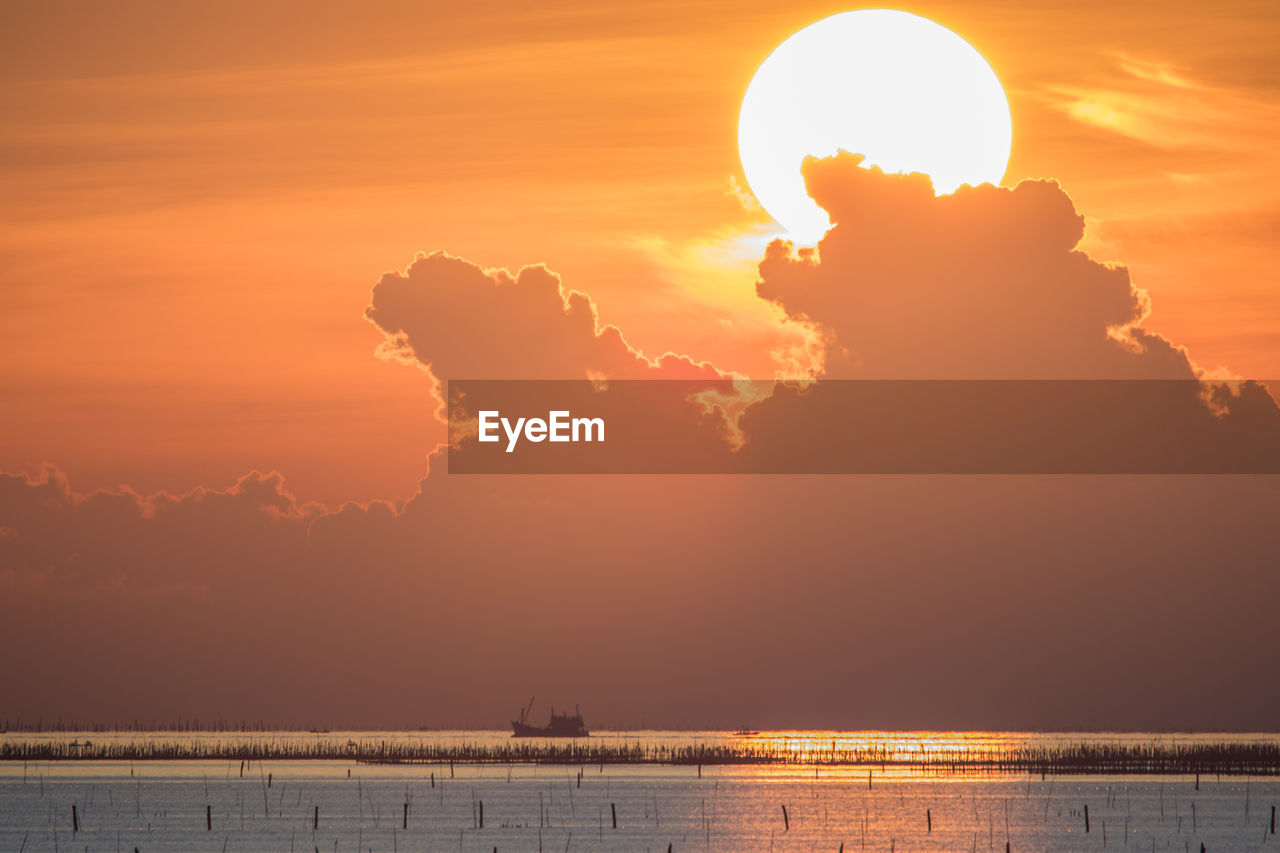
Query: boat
(561,725)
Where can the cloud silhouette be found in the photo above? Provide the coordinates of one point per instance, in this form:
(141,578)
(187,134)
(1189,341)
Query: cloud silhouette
(120,539)
(820,601)
(850,602)
(984,283)
(459,321)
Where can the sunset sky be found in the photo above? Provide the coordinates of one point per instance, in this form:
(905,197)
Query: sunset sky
(198,201)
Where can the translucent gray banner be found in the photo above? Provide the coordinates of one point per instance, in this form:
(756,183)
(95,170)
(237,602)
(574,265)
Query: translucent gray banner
(863,427)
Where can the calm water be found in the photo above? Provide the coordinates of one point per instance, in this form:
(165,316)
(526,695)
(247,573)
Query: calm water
(273,805)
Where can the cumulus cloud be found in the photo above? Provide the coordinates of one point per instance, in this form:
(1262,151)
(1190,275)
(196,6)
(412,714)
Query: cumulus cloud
(459,321)
(984,283)
(154,544)
(479,591)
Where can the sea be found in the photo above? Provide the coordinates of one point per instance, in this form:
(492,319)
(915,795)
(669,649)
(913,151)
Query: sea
(349,805)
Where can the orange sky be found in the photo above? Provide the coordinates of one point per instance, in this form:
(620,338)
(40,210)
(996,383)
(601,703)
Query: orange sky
(199,201)
(196,204)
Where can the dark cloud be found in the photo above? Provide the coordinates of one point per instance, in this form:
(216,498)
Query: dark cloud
(851,602)
(147,544)
(985,283)
(984,602)
(463,322)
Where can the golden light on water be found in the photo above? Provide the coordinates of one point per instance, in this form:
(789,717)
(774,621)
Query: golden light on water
(437,789)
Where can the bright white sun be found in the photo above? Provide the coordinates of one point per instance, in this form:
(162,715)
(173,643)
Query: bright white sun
(909,94)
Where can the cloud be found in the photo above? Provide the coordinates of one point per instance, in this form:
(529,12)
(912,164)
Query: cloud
(823,602)
(984,283)
(459,321)
(812,601)
(1161,105)
(144,544)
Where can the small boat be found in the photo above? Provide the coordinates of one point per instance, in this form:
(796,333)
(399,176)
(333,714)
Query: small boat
(746,733)
(561,725)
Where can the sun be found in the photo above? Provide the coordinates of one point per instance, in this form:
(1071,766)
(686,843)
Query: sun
(907,93)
